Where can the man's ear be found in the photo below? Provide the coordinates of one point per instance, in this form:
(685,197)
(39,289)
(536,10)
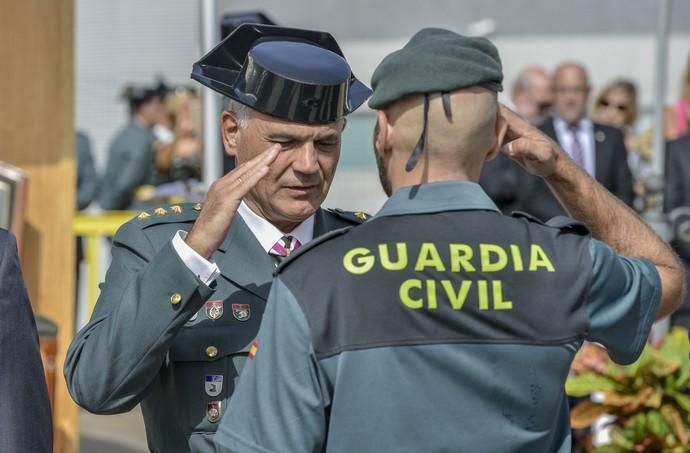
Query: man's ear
(230,130)
(501,129)
(382,132)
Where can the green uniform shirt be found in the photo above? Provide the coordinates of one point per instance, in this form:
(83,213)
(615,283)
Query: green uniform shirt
(439,325)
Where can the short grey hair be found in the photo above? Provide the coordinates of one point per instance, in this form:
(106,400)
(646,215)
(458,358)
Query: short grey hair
(240,111)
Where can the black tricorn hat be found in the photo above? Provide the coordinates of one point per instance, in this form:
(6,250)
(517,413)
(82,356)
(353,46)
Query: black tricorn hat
(289,73)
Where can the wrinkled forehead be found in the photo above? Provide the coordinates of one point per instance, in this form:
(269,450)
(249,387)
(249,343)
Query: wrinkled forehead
(269,126)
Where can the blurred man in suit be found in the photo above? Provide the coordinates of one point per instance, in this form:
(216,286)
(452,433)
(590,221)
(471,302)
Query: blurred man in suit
(677,195)
(25,422)
(502,179)
(599,149)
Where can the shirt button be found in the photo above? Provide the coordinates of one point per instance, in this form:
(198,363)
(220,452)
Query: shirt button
(175,298)
(212,351)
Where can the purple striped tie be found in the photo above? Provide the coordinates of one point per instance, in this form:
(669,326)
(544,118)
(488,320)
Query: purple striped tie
(576,151)
(284,247)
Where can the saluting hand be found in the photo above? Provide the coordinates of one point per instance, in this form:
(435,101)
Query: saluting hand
(530,147)
(222,200)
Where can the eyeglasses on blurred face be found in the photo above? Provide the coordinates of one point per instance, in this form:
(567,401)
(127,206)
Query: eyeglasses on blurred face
(620,107)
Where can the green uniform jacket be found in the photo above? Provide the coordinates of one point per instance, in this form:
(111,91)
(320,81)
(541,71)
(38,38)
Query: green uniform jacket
(152,338)
(130,164)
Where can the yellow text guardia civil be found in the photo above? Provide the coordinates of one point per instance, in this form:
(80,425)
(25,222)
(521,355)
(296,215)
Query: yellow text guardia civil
(485,258)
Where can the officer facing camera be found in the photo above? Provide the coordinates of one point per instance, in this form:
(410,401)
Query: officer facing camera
(185,293)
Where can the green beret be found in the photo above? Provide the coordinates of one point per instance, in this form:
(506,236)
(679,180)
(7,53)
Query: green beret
(436,60)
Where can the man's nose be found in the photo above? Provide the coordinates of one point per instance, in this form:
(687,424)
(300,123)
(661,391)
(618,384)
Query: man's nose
(306,159)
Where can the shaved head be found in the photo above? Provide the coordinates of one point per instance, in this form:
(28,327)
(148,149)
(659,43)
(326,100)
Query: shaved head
(465,136)
(455,148)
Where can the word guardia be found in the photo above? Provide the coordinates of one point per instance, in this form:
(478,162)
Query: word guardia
(418,293)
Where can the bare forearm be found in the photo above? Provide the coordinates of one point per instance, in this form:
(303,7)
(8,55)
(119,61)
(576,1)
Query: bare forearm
(614,223)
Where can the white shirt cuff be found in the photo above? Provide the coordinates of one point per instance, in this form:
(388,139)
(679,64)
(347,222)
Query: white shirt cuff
(206,270)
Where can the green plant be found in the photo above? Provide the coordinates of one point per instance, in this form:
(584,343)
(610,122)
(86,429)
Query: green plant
(650,398)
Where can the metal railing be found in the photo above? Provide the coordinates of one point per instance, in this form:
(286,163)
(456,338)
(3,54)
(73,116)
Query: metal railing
(93,228)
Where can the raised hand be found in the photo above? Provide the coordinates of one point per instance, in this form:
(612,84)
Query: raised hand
(530,147)
(222,200)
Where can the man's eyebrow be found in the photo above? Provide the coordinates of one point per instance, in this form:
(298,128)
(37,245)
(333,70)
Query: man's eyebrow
(282,137)
(328,136)
(287,137)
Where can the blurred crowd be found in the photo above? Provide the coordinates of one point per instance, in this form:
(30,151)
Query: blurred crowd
(155,158)
(606,136)
(603,133)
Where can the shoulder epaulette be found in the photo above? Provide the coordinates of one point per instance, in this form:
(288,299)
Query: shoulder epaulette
(566,223)
(355,217)
(310,245)
(560,222)
(527,216)
(183,212)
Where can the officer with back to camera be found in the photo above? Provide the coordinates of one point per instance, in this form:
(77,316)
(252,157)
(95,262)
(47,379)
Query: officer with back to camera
(186,290)
(441,324)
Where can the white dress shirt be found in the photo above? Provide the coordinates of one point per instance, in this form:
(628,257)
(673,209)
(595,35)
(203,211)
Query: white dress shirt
(585,135)
(263,230)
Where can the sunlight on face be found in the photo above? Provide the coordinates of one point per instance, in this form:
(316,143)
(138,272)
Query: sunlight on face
(300,177)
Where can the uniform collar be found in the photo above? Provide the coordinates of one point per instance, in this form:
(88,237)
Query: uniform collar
(267,234)
(438,197)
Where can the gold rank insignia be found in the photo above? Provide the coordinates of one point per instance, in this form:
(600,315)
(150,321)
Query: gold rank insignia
(176,209)
(197,207)
(361,216)
(143,215)
(160,211)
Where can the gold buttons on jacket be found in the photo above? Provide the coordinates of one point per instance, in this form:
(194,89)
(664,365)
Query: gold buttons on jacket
(175,298)
(212,351)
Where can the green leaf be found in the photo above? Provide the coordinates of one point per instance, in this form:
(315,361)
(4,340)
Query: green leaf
(585,413)
(657,425)
(641,363)
(619,439)
(586,383)
(636,427)
(675,421)
(682,399)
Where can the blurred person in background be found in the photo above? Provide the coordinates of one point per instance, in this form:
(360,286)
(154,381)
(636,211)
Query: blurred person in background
(678,116)
(25,417)
(677,195)
(87,186)
(532,94)
(87,178)
(598,149)
(616,106)
(502,179)
(179,162)
(131,154)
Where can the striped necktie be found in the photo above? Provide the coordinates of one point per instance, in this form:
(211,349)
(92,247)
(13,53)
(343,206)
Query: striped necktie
(284,247)
(576,151)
